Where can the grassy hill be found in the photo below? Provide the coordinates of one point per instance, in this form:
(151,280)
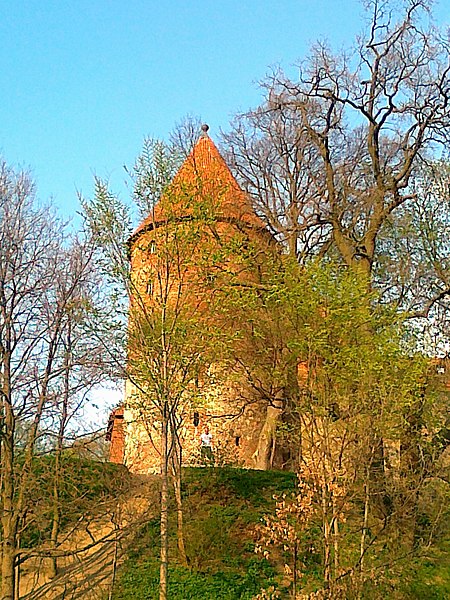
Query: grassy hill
(222,508)
(84,487)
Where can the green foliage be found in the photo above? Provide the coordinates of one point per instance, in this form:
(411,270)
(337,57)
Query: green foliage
(222,509)
(429,577)
(257,487)
(143,583)
(363,391)
(153,171)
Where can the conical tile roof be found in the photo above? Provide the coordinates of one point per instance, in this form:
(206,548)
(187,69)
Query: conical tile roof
(203,175)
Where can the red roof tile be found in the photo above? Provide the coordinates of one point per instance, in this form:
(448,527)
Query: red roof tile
(203,175)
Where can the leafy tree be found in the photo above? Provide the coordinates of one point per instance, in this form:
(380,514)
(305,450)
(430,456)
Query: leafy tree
(259,354)
(359,387)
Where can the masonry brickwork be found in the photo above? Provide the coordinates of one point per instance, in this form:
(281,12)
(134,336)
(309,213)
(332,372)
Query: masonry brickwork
(115,434)
(205,183)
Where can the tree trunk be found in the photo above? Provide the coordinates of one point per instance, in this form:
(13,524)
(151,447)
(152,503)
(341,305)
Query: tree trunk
(8,568)
(164,530)
(116,555)
(9,535)
(362,549)
(335,537)
(295,561)
(326,538)
(17,583)
(176,468)
(56,517)
(9,519)
(263,455)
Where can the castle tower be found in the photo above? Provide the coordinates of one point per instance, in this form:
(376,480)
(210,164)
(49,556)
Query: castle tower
(177,257)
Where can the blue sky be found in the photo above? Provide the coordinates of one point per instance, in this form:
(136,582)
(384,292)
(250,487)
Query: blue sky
(82,82)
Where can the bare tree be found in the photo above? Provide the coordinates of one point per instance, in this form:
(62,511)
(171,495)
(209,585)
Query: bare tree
(28,239)
(41,280)
(334,154)
(81,365)
(280,169)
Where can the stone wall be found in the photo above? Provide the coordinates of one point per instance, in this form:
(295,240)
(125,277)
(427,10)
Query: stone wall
(235,425)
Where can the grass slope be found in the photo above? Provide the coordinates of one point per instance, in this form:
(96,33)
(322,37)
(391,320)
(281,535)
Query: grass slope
(222,507)
(84,486)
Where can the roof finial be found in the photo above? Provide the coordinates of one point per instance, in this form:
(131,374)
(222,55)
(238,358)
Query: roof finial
(205,129)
